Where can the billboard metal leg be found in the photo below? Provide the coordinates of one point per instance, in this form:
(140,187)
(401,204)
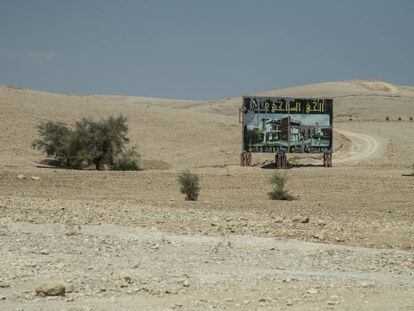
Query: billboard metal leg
(246,159)
(280,160)
(327,159)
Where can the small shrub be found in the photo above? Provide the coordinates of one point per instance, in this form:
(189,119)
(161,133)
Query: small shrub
(399,118)
(411,118)
(387,118)
(278,191)
(127,161)
(189,185)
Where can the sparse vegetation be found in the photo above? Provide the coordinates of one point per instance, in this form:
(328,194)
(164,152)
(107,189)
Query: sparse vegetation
(278,192)
(387,118)
(189,185)
(399,119)
(293,161)
(102,144)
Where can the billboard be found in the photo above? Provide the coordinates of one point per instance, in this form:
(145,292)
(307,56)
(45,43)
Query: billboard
(283,125)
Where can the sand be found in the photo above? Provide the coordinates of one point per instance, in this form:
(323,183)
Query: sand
(362,206)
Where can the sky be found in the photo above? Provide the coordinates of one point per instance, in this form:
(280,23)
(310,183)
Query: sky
(196,49)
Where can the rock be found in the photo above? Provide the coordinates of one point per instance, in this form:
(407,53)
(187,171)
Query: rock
(50,289)
(68,288)
(320,236)
(186,283)
(124,281)
(44,252)
(300,219)
(21,177)
(312,291)
(2,297)
(334,300)
(321,223)
(35,178)
(155,246)
(278,220)
(4,285)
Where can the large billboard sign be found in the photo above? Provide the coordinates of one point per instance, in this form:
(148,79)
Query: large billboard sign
(283,125)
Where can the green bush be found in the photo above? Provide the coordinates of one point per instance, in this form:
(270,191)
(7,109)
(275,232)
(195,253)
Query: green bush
(90,143)
(278,191)
(54,141)
(127,161)
(189,185)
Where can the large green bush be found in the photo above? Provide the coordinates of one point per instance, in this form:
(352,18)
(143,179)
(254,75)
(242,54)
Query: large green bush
(102,144)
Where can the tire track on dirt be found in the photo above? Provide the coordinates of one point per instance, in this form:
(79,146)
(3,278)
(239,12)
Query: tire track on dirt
(366,147)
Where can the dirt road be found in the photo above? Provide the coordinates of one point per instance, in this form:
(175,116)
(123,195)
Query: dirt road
(364,147)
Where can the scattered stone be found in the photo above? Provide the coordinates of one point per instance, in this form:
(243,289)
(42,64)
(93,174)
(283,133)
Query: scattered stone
(35,178)
(321,223)
(300,219)
(21,177)
(50,289)
(69,288)
(278,220)
(312,291)
(155,246)
(338,239)
(186,283)
(319,236)
(334,300)
(4,285)
(44,252)
(177,306)
(124,281)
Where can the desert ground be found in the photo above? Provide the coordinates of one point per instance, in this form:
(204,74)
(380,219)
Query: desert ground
(129,240)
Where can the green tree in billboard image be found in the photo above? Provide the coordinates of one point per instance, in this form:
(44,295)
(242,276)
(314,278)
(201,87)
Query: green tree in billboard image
(254,135)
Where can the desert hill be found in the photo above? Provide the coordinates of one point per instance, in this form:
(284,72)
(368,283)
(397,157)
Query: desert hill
(178,133)
(353,98)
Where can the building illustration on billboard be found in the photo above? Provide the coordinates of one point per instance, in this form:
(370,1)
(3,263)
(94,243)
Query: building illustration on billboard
(287,125)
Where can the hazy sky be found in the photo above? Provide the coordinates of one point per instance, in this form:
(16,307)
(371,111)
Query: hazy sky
(202,49)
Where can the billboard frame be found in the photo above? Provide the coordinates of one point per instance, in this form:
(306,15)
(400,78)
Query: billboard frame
(281,156)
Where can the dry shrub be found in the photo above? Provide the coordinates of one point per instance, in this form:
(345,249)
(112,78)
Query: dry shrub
(189,185)
(279,192)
